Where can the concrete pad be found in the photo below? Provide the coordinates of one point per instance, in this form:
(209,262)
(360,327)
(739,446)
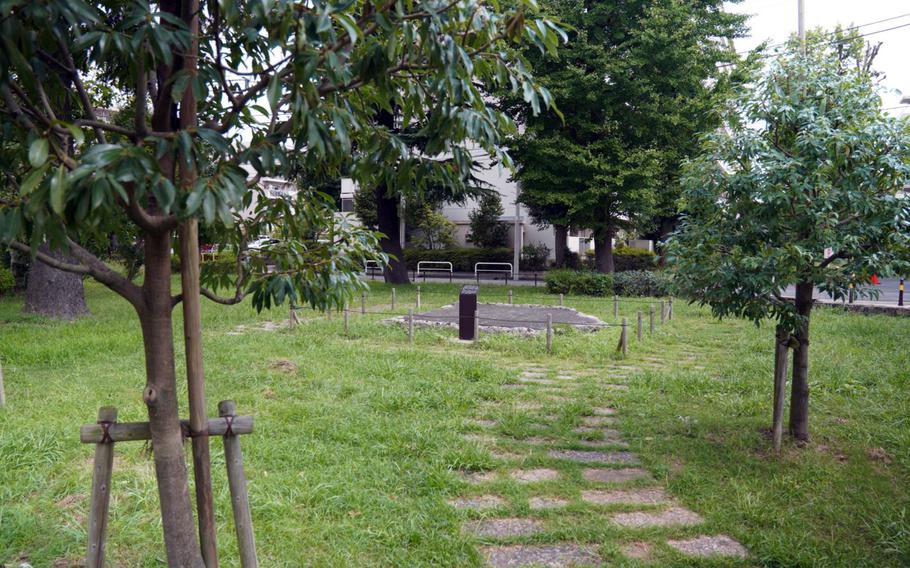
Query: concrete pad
(674,516)
(479,503)
(583,456)
(706,546)
(504,528)
(541,555)
(644,496)
(544,503)
(598,420)
(534,475)
(615,475)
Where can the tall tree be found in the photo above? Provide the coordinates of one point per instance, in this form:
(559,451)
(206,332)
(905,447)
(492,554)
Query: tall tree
(269,80)
(637,81)
(804,189)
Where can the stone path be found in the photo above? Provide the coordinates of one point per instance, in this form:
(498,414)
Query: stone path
(563,462)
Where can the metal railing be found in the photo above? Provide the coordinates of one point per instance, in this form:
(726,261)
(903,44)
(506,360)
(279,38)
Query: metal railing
(434,266)
(509,273)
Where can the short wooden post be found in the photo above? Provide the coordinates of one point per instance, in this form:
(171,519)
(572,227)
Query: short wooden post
(549,333)
(651,320)
(663,311)
(562,300)
(101,492)
(328,313)
(670,309)
(615,306)
(363,303)
(240,500)
(418,297)
(293,320)
(510,296)
(476,326)
(639,325)
(624,337)
(2,389)
(781,354)
(346,314)
(410,326)
(393,299)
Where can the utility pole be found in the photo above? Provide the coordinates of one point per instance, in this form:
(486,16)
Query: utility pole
(516,254)
(801,24)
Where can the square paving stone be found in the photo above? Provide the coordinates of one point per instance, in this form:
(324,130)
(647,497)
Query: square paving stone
(478,503)
(543,503)
(504,528)
(544,555)
(673,516)
(534,475)
(615,475)
(582,456)
(704,546)
(645,496)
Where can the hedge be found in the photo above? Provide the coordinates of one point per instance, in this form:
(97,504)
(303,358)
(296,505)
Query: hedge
(7,280)
(628,258)
(462,259)
(629,283)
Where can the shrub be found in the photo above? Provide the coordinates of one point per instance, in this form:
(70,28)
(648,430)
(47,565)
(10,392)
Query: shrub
(462,259)
(487,231)
(534,257)
(642,283)
(627,258)
(7,280)
(584,283)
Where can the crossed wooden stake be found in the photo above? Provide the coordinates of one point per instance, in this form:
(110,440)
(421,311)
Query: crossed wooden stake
(107,431)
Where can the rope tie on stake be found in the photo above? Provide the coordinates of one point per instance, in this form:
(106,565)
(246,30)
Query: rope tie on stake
(106,432)
(229,420)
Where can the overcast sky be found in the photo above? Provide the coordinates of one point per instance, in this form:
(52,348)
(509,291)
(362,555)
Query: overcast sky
(775,20)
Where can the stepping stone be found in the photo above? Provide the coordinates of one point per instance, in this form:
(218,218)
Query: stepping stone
(586,429)
(481,423)
(605,442)
(480,503)
(598,420)
(673,516)
(646,496)
(603,411)
(566,377)
(594,457)
(615,475)
(613,386)
(705,546)
(541,555)
(543,503)
(476,477)
(479,438)
(504,528)
(638,550)
(534,475)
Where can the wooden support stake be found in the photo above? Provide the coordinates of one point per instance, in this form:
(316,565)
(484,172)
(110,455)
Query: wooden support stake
(131,431)
(510,296)
(651,320)
(363,303)
(101,493)
(293,320)
(411,327)
(393,299)
(549,333)
(418,297)
(624,337)
(663,311)
(615,306)
(781,354)
(346,314)
(476,326)
(240,500)
(639,325)
(2,388)
(670,310)
(562,300)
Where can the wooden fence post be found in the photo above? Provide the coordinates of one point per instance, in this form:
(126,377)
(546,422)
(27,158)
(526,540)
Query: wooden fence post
(615,306)
(562,300)
(639,325)
(651,320)
(549,333)
(393,299)
(346,315)
(363,303)
(293,320)
(101,492)
(670,310)
(624,337)
(510,296)
(476,326)
(240,500)
(410,326)
(418,296)
(663,311)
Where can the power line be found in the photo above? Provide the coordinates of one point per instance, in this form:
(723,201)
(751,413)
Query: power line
(856,27)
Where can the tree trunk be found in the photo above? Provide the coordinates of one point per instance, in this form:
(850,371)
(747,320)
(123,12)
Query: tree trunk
(160,397)
(603,253)
(53,293)
(799,396)
(388,224)
(560,234)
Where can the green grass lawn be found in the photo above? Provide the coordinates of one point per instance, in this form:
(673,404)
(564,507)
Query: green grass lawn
(358,440)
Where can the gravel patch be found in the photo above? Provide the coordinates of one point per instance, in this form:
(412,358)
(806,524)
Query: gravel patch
(534,475)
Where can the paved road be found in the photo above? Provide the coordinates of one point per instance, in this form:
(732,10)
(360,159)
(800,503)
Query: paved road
(887,292)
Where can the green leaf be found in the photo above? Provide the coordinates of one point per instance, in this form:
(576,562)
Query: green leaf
(58,190)
(37,152)
(32,180)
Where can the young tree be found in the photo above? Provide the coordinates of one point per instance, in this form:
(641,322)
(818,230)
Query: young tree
(255,85)
(808,164)
(637,82)
(487,231)
(436,231)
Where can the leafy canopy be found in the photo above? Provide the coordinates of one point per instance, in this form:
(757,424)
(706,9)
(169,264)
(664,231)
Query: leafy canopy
(804,186)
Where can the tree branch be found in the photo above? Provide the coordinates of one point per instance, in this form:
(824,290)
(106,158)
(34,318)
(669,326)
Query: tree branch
(80,88)
(238,297)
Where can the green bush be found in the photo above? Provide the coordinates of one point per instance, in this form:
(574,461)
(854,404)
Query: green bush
(218,262)
(585,283)
(534,257)
(627,258)
(7,280)
(588,283)
(462,259)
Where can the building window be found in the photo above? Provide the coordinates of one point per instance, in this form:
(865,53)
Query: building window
(347,204)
